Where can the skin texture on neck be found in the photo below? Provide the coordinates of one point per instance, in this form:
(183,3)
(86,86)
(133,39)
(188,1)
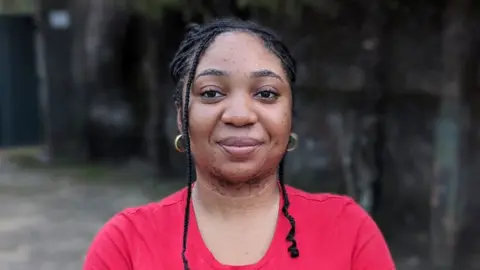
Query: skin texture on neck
(228,201)
(244,213)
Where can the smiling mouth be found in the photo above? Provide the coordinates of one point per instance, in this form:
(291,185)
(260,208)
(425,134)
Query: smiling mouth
(240,146)
(240,151)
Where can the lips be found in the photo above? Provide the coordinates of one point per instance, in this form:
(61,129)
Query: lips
(240,146)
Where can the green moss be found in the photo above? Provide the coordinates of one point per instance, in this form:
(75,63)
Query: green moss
(25,157)
(17,6)
(28,159)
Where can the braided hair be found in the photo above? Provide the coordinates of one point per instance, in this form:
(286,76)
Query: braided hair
(183,68)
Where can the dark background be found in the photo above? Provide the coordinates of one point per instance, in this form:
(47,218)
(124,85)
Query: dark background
(386,103)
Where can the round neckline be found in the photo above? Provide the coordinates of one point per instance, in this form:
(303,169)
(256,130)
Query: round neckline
(207,256)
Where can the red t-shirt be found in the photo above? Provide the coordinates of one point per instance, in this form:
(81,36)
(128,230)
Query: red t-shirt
(333,233)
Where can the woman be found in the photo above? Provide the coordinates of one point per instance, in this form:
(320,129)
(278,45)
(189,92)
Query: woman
(234,101)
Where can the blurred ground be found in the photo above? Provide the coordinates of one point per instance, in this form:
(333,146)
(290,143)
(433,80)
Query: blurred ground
(49,214)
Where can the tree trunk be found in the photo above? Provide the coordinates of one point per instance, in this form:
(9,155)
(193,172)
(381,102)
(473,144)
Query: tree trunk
(60,99)
(449,135)
(154,128)
(80,10)
(43,83)
(109,117)
(159,94)
(369,139)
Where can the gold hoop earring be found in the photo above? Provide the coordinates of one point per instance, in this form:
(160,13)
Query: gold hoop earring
(178,143)
(292,142)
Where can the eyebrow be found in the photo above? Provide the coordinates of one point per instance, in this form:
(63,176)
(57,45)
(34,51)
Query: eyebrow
(265,73)
(255,74)
(212,72)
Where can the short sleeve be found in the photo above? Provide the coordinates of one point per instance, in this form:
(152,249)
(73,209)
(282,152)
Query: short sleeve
(371,251)
(109,249)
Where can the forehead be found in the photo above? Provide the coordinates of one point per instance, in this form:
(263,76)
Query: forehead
(239,52)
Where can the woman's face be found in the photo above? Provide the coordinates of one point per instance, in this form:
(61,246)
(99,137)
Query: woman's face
(240,109)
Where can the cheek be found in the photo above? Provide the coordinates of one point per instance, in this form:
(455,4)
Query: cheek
(278,124)
(202,122)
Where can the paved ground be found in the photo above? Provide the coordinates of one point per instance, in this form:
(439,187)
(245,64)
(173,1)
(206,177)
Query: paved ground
(48,217)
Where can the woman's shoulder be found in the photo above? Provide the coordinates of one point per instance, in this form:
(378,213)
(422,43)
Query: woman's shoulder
(343,225)
(146,219)
(318,198)
(154,211)
(133,231)
(171,200)
(331,206)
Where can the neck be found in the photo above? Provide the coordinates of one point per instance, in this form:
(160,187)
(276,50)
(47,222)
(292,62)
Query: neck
(229,200)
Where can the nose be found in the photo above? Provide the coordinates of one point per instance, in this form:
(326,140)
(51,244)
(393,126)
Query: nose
(239,111)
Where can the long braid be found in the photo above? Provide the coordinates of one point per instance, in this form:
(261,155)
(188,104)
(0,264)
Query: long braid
(182,70)
(292,249)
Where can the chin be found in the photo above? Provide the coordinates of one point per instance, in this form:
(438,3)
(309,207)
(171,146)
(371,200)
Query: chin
(240,173)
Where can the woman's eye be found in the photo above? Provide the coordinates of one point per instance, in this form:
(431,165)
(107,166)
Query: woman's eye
(211,94)
(267,94)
